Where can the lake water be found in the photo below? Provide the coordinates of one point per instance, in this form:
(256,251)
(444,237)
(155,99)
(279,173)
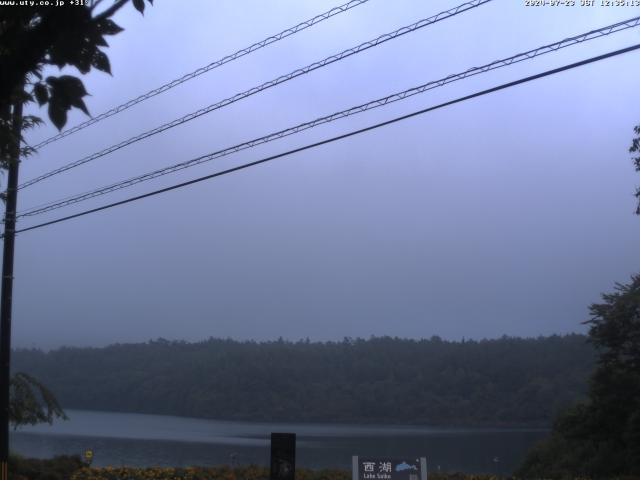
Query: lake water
(148,440)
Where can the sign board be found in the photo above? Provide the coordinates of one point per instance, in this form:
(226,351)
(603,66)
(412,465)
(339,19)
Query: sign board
(383,468)
(88,455)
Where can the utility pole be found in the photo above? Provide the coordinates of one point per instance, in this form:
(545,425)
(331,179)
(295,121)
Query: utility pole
(7,284)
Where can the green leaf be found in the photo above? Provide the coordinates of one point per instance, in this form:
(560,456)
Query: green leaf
(65,50)
(84,57)
(100,41)
(79,103)
(139,5)
(66,92)
(108,27)
(72,86)
(57,113)
(30,402)
(101,62)
(31,121)
(41,92)
(95,36)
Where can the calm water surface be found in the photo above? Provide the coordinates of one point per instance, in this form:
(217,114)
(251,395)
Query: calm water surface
(147,440)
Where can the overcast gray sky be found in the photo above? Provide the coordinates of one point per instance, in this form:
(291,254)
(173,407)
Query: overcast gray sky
(507,214)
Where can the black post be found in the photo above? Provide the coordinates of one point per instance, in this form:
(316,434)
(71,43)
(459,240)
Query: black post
(283,456)
(7,287)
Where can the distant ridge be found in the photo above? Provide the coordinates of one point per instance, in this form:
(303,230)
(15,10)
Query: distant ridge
(501,382)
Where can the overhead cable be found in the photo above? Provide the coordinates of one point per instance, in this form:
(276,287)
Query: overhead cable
(339,137)
(218,63)
(252,91)
(530,54)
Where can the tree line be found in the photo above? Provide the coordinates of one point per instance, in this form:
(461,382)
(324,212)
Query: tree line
(501,382)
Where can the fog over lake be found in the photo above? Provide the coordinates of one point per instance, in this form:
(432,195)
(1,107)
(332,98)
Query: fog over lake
(146,440)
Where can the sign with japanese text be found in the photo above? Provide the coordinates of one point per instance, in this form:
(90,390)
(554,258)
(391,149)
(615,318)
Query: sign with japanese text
(408,468)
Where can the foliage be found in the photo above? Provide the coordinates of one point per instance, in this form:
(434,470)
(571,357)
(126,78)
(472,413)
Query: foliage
(225,473)
(601,437)
(30,402)
(635,148)
(8,140)
(508,381)
(37,35)
(33,37)
(57,468)
(72,468)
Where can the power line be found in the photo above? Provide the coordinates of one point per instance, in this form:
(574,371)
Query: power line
(340,137)
(616,27)
(252,91)
(218,63)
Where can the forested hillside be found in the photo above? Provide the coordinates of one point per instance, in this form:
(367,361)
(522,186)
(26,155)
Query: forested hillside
(508,381)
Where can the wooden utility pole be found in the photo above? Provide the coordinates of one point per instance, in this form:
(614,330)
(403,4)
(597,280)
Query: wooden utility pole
(11,201)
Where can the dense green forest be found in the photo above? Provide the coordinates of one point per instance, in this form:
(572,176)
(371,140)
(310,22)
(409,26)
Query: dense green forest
(502,382)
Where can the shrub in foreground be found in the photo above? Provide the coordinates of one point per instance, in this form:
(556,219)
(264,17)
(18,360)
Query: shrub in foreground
(226,473)
(57,468)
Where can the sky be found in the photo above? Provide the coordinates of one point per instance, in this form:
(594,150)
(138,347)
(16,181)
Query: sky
(508,214)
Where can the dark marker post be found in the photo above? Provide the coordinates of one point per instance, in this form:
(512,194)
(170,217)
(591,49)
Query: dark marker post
(283,456)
